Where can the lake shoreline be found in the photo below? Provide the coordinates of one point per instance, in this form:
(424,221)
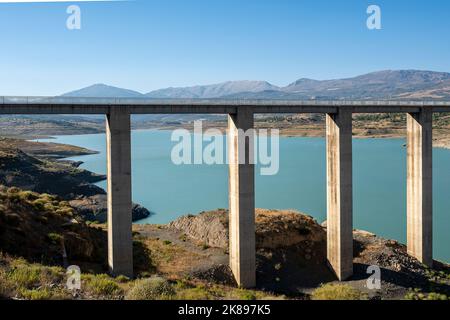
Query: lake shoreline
(440,141)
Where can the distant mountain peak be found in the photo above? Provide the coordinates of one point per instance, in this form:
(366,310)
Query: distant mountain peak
(100,90)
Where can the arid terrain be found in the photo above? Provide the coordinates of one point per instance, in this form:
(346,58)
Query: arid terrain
(44,227)
(36,166)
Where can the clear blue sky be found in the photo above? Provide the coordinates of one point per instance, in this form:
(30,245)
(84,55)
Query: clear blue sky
(150,44)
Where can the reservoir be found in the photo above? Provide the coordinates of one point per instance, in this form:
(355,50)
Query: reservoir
(379,182)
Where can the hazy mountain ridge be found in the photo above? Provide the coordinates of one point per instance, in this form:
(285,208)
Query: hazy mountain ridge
(213,91)
(387,84)
(103,91)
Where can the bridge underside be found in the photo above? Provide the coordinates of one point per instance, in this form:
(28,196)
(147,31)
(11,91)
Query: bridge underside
(241,175)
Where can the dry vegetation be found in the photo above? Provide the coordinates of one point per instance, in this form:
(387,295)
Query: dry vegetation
(335,291)
(170,264)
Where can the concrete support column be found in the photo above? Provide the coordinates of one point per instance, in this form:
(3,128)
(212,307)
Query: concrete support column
(339,193)
(120,244)
(242,197)
(420,186)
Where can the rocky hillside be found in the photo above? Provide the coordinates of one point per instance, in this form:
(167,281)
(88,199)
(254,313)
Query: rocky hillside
(386,84)
(62,178)
(45,176)
(36,229)
(41,227)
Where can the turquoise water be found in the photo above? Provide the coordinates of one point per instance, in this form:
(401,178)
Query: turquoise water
(379,182)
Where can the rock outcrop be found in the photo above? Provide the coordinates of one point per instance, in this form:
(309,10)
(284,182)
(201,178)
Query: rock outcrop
(209,228)
(274,228)
(291,254)
(94,208)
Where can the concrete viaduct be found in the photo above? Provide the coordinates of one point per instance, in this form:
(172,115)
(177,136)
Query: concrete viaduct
(241,176)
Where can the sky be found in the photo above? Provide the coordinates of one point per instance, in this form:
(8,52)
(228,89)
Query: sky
(150,44)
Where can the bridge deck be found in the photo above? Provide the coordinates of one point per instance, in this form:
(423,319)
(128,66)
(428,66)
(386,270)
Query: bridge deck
(67,105)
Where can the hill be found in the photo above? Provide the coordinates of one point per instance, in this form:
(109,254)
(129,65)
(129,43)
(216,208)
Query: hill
(188,259)
(212,91)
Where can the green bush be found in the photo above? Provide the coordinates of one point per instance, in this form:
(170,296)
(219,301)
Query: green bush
(154,288)
(335,291)
(26,277)
(39,204)
(6,287)
(122,279)
(13,190)
(65,211)
(28,195)
(36,294)
(103,285)
(55,237)
(33,282)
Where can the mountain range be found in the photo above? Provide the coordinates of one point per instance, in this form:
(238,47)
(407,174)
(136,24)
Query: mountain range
(387,84)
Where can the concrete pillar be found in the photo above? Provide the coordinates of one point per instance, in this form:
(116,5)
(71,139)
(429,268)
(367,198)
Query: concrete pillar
(420,186)
(339,193)
(120,243)
(242,198)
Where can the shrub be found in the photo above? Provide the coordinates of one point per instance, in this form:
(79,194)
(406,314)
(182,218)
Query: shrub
(154,288)
(39,204)
(246,295)
(103,285)
(14,190)
(437,296)
(334,291)
(55,237)
(197,293)
(183,284)
(65,211)
(36,294)
(28,195)
(122,279)
(417,295)
(26,277)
